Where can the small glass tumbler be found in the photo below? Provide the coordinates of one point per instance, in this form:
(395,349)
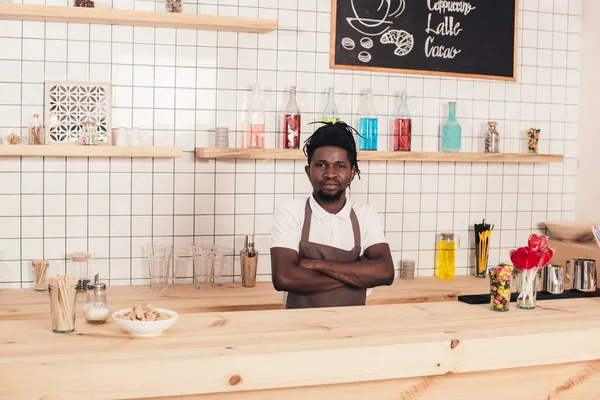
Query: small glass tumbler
(159,271)
(63,301)
(204,271)
(40,267)
(121,137)
(528,287)
(208,260)
(500,281)
(222,137)
(135,139)
(407,272)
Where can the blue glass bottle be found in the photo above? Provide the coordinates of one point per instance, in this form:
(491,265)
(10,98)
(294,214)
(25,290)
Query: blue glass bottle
(451,132)
(368,124)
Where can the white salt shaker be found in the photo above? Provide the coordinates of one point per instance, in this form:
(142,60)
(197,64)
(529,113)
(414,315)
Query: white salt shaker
(96,308)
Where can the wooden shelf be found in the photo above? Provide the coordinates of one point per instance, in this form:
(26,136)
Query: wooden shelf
(7,150)
(165,19)
(283,154)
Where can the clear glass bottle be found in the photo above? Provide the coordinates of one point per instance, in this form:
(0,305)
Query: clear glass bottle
(255,133)
(492,139)
(89,134)
(451,132)
(368,126)
(446,256)
(291,122)
(96,307)
(402,126)
(330,112)
(35,132)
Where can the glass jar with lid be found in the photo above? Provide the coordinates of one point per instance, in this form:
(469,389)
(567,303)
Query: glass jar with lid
(89,134)
(35,132)
(78,267)
(96,307)
(492,139)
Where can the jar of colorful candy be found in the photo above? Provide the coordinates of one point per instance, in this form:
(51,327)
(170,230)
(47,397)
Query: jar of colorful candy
(533,137)
(500,280)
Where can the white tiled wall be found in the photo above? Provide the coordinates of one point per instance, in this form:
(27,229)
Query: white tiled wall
(177,85)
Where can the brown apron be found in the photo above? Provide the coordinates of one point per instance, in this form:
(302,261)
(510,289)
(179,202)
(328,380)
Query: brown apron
(339,297)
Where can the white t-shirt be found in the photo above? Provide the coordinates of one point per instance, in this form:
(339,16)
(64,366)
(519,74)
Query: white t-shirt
(329,229)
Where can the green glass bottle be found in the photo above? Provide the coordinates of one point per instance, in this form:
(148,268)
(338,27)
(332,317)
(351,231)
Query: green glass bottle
(451,132)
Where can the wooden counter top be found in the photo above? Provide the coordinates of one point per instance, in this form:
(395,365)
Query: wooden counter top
(26,303)
(305,352)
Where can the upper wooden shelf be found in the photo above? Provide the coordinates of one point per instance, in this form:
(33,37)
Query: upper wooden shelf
(283,154)
(7,150)
(165,19)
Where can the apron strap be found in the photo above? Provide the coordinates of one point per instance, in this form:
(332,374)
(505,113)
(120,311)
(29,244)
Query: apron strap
(308,218)
(355,228)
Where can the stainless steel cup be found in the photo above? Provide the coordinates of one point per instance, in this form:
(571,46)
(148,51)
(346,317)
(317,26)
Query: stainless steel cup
(543,279)
(554,279)
(581,274)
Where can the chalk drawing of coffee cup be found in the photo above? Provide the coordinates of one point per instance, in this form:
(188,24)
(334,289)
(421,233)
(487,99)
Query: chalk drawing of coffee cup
(370,18)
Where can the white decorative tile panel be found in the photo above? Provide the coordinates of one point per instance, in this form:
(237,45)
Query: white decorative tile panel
(69,105)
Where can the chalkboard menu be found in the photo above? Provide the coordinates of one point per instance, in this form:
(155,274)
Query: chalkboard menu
(474,38)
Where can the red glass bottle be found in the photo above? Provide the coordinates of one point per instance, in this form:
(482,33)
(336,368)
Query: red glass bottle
(291,122)
(402,126)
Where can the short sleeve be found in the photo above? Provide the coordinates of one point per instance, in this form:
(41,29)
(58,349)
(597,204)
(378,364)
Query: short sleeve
(286,230)
(373,233)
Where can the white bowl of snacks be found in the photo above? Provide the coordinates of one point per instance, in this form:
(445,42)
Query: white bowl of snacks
(145,320)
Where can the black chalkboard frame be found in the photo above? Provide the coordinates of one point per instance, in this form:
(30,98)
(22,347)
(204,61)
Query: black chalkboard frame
(333,65)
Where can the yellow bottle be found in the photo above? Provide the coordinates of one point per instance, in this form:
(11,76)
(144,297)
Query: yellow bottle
(446,257)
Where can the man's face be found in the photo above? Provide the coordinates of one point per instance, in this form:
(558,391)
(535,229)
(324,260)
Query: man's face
(330,172)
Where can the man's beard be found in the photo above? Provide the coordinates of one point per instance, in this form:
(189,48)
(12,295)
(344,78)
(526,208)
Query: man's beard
(330,197)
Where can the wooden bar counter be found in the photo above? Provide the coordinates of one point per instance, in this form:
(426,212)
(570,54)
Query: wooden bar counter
(420,350)
(26,303)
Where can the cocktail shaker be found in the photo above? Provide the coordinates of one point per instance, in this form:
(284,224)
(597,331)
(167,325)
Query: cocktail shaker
(249,262)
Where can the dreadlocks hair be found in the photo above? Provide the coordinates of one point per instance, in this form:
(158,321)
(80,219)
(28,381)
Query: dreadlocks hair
(337,134)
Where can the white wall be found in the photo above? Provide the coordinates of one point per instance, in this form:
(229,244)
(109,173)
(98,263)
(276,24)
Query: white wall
(587,206)
(176,85)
